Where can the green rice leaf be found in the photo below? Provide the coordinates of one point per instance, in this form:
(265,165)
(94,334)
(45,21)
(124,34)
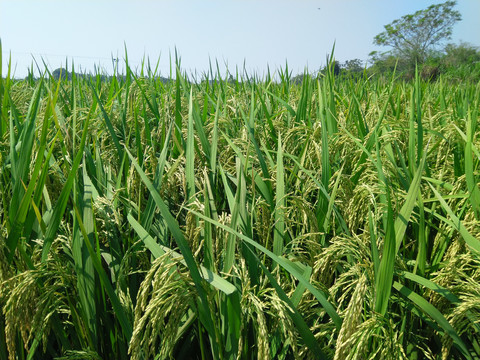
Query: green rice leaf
(383,283)
(319,295)
(204,311)
(447,294)
(61,204)
(190,155)
(279,227)
(403,217)
(158,250)
(116,304)
(469,167)
(435,314)
(108,123)
(455,222)
(21,213)
(83,263)
(302,327)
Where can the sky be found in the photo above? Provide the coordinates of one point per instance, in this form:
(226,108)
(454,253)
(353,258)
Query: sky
(238,34)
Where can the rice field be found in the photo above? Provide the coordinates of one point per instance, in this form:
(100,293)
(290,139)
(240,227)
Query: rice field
(244,218)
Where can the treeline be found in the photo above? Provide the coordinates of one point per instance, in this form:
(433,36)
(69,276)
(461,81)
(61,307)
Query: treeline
(456,62)
(61,73)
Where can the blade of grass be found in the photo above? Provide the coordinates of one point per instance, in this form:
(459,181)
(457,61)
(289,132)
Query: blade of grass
(21,157)
(158,250)
(204,311)
(373,244)
(331,202)
(208,251)
(40,186)
(447,294)
(148,214)
(61,204)
(263,186)
(190,155)
(214,146)
(108,123)
(84,266)
(231,246)
(250,124)
(372,138)
(403,217)
(418,101)
(116,304)
(178,115)
(469,167)
(322,191)
(322,205)
(383,283)
(435,314)
(455,222)
(279,218)
(319,295)
(3,124)
(300,324)
(22,210)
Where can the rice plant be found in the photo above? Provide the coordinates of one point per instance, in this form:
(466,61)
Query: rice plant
(247,219)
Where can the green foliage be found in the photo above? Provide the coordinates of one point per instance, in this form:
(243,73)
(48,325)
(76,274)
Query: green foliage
(461,62)
(354,65)
(461,54)
(414,40)
(457,62)
(413,36)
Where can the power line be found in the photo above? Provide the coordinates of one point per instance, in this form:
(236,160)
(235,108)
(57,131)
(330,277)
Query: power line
(16,53)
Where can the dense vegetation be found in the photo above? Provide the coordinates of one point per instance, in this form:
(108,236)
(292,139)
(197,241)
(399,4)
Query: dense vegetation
(330,218)
(417,40)
(456,63)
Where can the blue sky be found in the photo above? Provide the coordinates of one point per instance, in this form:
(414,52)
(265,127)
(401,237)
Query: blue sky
(233,32)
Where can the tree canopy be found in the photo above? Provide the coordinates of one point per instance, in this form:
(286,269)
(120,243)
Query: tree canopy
(413,36)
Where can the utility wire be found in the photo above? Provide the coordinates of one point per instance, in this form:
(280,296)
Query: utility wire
(16,53)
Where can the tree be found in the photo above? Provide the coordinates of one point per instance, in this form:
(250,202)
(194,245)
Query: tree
(355,65)
(461,54)
(413,36)
(386,63)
